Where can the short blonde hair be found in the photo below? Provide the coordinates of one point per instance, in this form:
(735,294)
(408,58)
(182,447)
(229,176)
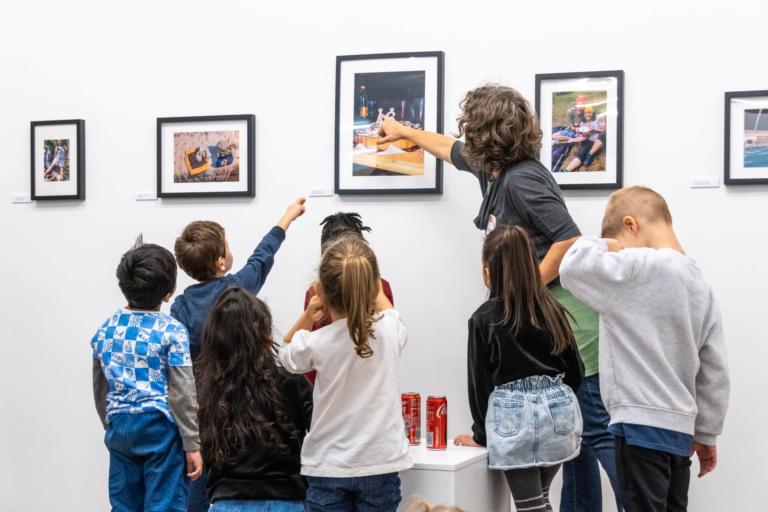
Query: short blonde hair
(635,201)
(422,505)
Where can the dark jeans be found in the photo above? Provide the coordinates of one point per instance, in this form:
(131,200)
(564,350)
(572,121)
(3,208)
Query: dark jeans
(652,480)
(147,469)
(582,491)
(355,494)
(198,495)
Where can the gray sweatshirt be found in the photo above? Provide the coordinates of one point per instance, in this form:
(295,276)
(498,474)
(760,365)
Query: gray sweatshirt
(662,353)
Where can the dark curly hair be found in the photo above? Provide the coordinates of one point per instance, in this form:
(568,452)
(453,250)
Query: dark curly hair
(339,224)
(239,381)
(499,127)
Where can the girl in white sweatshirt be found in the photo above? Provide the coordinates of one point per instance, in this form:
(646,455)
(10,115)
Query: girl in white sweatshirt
(356,445)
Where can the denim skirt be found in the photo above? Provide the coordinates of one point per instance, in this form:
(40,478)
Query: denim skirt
(534,421)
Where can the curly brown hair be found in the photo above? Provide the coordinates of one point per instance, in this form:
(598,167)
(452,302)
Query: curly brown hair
(500,128)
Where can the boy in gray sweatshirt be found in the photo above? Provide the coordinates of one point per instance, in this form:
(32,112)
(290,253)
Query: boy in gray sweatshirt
(664,376)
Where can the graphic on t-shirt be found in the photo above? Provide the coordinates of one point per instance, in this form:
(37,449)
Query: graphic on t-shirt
(756,137)
(135,350)
(399,95)
(579,127)
(56,160)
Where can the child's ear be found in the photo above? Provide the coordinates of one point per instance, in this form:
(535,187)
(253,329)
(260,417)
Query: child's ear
(630,224)
(221,264)
(486,277)
(168,296)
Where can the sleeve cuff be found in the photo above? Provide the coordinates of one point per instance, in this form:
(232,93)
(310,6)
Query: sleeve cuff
(707,439)
(191,444)
(278,233)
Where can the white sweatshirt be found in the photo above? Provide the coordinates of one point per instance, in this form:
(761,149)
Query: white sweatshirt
(662,353)
(357,423)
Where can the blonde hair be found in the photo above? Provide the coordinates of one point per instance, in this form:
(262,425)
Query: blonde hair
(421,505)
(636,202)
(349,278)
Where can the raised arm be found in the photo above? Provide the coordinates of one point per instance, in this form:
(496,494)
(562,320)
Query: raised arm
(252,276)
(593,272)
(435,143)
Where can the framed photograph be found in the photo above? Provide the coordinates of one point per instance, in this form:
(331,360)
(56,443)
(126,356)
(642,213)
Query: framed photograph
(370,88)
(208,156)
(746,138)
(58,159)
(581,116)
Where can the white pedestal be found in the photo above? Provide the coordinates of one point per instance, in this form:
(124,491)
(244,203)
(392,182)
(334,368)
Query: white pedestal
(457,476)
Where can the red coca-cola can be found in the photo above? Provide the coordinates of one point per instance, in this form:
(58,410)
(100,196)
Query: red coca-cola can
(412,417)
(437,423)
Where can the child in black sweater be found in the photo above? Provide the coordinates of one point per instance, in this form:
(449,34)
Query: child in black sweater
(523,369)
(253,414)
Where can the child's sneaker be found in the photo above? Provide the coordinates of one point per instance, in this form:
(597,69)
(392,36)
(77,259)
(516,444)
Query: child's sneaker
(588,159)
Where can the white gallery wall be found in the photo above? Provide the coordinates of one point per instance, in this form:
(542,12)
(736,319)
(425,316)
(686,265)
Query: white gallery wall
(119,66)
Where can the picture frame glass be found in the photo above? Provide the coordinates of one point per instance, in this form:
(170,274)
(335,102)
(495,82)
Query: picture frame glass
(580,140)
(201,157)
(407,89)
(56,160)
(748,138)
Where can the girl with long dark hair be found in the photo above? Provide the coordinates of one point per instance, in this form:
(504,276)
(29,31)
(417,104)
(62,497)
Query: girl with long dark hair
(253,414)
(523,370)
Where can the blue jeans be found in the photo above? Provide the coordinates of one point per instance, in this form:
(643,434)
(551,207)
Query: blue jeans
(198,495)
(257,506)
(147,469)
(355,494)
(582,491)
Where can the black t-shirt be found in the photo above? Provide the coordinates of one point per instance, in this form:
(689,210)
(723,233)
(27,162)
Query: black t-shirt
(525,195)
(496,356)
(263,474)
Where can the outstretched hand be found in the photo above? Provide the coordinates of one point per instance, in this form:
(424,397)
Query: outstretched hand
(391,130)
(295,210)
(707,457)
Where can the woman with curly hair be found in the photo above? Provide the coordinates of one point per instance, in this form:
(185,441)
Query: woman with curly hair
(502,139)
(253,414)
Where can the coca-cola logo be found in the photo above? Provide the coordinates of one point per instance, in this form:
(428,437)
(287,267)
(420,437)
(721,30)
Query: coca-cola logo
(441,410)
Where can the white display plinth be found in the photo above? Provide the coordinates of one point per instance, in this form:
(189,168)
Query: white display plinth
(457,476)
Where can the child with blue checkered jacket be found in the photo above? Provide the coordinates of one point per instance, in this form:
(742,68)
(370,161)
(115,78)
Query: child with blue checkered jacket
(144,389)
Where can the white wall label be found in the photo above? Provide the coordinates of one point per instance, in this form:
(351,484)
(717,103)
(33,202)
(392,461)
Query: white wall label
(21,199)
(146,196)
(321,192)
(705,182)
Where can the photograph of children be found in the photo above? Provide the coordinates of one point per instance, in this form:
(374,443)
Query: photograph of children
(56,160)
(579,127)
(756,138)
(206,156)
(397,94)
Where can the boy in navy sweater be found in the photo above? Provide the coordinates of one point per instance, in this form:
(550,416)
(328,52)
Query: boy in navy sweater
(203,253)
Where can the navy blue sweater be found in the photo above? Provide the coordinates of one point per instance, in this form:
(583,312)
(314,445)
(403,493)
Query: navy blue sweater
(191,307)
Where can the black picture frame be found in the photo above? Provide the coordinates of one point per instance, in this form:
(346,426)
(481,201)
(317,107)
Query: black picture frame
(728,178)
(439,94)
(249,168)
(79,194)
(618,74)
